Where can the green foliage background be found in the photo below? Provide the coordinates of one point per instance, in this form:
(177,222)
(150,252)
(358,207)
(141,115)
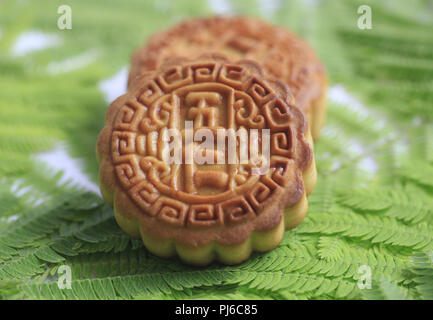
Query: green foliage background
(381,218)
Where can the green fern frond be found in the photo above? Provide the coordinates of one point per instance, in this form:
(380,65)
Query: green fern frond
(423,270)
(128,286)
(164,283)
(365,200)
(374,228)
(331,248)
(323,198)
(403,204)
(384,289)
(418,171)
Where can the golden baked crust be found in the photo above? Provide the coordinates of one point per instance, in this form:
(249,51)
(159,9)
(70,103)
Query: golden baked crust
(282,54)
(210,211)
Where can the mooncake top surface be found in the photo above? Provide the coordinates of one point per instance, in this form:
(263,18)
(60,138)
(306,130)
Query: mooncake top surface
(155,162)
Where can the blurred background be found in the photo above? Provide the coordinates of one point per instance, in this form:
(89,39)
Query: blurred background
(55,86)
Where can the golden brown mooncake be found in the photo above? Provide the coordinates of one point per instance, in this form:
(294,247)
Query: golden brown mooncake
(282,54)
(205,212)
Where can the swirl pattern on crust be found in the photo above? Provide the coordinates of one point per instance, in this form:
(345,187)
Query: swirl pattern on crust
(282,54)
(198,204)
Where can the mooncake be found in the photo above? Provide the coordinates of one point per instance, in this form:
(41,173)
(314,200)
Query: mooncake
(221,200)
(282,54)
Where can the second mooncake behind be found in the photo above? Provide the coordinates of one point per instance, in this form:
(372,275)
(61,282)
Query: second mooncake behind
(282,54)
